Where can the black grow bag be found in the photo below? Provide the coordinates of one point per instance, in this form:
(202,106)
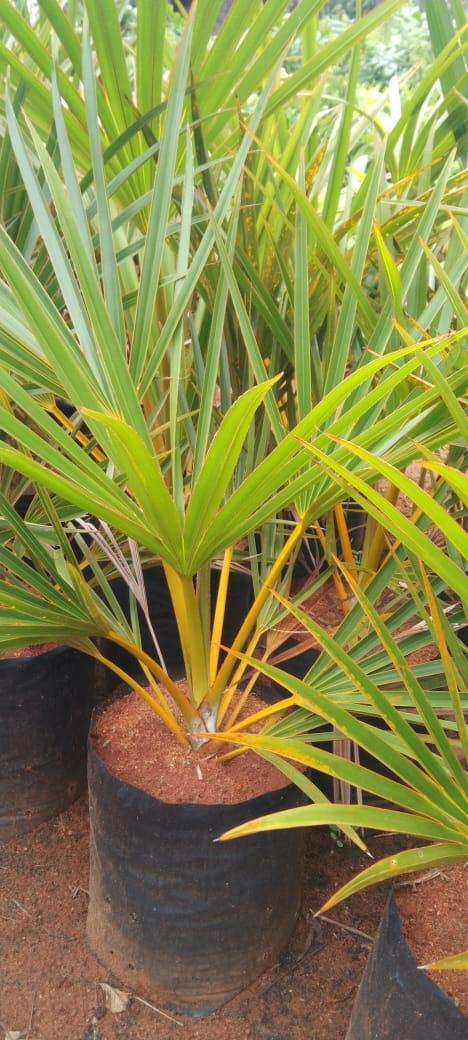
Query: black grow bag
(177,917)
(462,634)
(23,503)
(395,1000)
(297,665)
(311,556)
(45,708)
(163,619)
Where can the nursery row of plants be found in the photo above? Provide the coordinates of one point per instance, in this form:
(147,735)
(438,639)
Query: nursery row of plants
(233,379)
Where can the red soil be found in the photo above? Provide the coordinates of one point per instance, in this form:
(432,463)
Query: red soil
(49,980)
(27,651)
(433,906)
(138,748)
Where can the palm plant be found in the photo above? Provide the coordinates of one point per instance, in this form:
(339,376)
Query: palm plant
(131,88)
(424,740)
(331,249)
(145,466)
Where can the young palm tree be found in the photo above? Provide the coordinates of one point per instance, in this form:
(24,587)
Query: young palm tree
(181,473)
(421,736)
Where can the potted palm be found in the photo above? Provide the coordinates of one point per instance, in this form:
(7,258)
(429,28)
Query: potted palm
(423,744)
(423,794)
(46,689)
(173,468)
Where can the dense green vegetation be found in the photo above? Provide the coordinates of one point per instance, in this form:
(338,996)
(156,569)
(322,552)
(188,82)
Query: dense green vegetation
(240,260)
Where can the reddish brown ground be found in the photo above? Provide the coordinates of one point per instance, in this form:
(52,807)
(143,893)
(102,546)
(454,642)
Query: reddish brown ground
(138,748)
(28,651)
(48,978)
(435,918)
